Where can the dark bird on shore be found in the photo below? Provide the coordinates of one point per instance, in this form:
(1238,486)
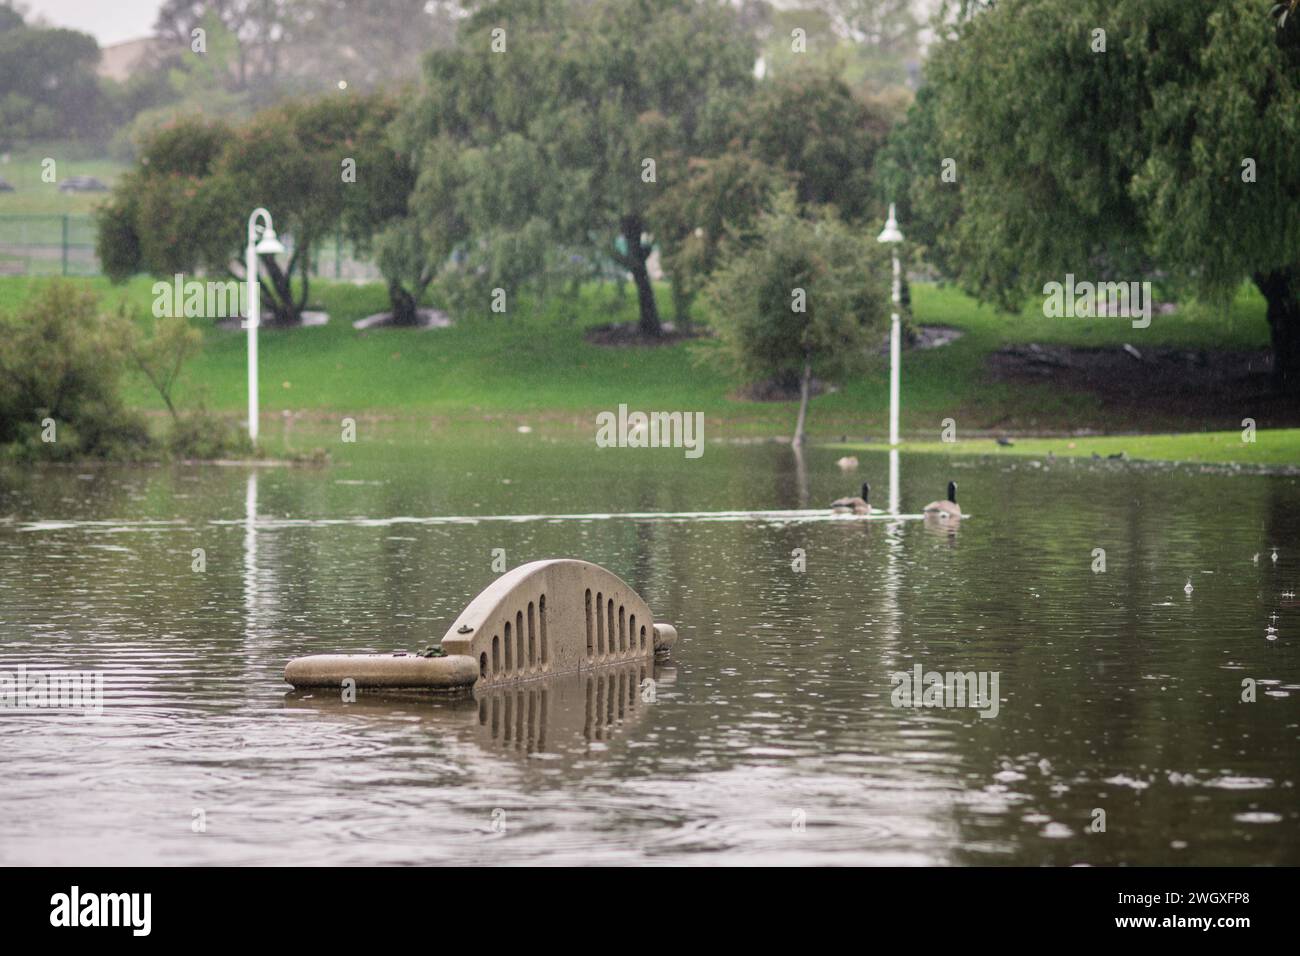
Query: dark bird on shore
(945,509)
(1005,442)
(857,506)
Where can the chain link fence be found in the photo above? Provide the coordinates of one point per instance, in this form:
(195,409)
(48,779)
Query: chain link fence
(47,245)
(54,245)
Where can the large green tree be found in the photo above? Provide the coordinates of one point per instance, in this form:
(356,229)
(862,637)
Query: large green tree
(1168,143)
(717,200)
(811,124)
(48,86)
(184,208)
(563,114)
(804,128)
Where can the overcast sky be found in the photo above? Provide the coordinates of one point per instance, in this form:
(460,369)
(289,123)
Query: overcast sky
(108,21)
(112,21)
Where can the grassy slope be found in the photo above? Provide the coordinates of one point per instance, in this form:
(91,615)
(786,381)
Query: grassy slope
(534,364)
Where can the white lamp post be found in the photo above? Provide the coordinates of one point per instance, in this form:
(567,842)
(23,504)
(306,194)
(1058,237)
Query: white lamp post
(892,235)
(267,244)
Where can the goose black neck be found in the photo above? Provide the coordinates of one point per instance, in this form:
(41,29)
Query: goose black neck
(952,491)
(866,491)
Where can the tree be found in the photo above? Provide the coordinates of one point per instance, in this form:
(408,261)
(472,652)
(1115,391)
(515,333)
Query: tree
(260,30)
(803,297)
(62,359)
(564,126)
(378,212)
(305,47)
(48,86)
(867,43)
(1173,149)
(804,128)
(165,216)
(180,84)
(719,201)
(369,43)
(10,19)
(184,208)
(809,122)
(161,356)
(891,25)
(908,161)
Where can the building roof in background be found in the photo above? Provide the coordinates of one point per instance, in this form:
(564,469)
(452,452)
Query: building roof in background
(118,60)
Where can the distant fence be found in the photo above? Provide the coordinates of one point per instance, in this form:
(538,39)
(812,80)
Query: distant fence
(53,245)
(47,245)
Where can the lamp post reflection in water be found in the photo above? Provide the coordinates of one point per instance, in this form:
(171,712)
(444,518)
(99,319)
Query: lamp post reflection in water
(250,554)
(893,481)
(893,550)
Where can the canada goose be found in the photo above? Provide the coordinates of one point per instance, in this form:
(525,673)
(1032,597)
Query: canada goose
(946,509)
(857,506)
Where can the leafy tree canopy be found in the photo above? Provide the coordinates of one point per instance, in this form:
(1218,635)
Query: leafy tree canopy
(802,296)
(556,108)
(184,208)
(48,86)
(1172,148)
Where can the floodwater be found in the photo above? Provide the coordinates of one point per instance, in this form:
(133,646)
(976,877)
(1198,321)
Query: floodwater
(1118,733)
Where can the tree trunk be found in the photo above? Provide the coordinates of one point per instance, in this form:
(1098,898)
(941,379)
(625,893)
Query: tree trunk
(1280,288)
(637,254)
(403,305)
(303,273)
(805,384)
(800,475)
(280,304)
(681,307)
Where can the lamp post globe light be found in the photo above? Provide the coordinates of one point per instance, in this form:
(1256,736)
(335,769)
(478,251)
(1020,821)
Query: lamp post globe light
(262,241)
(893,236)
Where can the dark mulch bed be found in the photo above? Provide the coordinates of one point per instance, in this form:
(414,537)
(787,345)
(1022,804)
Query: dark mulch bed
(924,337)
(628,334)
(777,391)
(1207,388)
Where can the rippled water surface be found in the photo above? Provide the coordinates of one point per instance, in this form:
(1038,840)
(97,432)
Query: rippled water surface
(772,736)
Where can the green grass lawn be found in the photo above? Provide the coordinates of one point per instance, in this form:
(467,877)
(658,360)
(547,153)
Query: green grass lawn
(533,364)
(1277,446)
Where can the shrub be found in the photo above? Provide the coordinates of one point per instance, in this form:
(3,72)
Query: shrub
(61,364)
(199,434)
(803,296)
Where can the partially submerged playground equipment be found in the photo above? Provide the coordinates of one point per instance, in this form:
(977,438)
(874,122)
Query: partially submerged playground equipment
(544,618)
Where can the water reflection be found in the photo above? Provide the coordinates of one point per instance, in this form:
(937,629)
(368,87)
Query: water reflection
(561,714)
(1118,690)
(250,555)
